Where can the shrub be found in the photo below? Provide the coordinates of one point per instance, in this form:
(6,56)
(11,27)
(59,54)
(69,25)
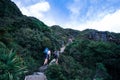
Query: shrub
(11,65)
(54,72)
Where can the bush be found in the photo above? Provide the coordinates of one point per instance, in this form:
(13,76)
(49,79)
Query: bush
(11,65)
(73,70)
(89,53)
(54,72)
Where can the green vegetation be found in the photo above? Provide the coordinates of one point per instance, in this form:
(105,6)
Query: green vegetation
(54,72)
(95,56)
(91,55)
(9,9)
(88,60)
(11,66)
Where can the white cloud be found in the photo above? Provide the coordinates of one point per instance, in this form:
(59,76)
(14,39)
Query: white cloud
(109,22)
(50,21)
(100,17)
(40,7)
(36,10)
(75,8)
(39,10)
(103,21)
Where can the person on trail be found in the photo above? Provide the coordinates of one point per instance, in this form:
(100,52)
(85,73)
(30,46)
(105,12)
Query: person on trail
(56,56)
(47,55)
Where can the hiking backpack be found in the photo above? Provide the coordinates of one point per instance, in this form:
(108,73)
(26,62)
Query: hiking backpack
(46,50)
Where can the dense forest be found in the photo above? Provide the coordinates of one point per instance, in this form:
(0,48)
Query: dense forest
(92,54)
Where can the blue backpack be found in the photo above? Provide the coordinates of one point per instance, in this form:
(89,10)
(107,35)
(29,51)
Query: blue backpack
(46,50)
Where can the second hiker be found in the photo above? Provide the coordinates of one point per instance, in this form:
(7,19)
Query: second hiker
(56,56)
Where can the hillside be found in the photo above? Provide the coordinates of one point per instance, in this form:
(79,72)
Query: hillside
(9,9)
(90,34)
(65,34)
(26,37)
(92,54)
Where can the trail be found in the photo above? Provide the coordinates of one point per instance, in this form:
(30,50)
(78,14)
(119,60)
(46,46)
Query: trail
(40,74)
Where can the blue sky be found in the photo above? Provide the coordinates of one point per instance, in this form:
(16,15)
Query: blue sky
(102,15)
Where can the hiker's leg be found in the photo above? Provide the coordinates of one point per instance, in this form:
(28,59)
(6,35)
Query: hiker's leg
(46,61)
(57,61)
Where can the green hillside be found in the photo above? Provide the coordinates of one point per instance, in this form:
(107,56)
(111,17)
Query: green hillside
(92,54)
(26,37)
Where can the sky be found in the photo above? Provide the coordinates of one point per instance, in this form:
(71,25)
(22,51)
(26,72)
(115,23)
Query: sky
(102,15)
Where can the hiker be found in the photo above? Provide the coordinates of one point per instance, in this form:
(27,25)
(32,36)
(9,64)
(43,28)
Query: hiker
(47,55)
(56,56)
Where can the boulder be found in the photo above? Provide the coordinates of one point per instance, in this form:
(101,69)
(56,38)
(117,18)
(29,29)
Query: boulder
(36,76)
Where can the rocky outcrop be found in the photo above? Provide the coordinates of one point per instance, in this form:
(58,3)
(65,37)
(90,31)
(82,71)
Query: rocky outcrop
(102,36)
(36,76)
(96,35)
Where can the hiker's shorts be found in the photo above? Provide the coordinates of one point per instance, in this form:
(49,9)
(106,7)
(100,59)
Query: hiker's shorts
(46,56)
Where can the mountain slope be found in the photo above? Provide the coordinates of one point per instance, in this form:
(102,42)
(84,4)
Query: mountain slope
(90,56)
(9,9)
(27,36)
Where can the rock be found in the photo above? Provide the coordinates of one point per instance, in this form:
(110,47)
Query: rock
(43,68)
(38,76)
(37,73)
(52,62)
